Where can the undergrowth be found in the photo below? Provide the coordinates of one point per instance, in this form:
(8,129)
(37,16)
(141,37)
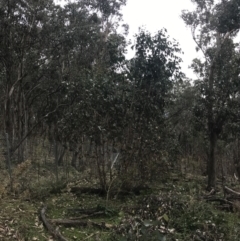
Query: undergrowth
(174,210)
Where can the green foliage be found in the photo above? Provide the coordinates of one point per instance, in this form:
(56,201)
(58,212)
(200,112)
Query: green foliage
(228,16)
(64,77)
(198,219)
(214,26)
(65,71)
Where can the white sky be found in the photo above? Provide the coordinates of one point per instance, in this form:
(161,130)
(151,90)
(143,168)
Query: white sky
(158,14)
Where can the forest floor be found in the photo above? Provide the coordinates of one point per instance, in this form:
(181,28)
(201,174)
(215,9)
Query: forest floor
(176,209)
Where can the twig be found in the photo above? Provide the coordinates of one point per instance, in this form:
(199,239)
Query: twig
(89,236)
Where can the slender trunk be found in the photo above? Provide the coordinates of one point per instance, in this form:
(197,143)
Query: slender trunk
(9,162)
(25,132)
(61,152)
(74,159)
(236,156)
(19,124)
(212,161)
(100,173)
(56,158)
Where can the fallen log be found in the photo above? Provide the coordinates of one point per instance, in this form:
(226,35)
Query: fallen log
(226,207)
(83,211)
(101,192)
(88,190)
(54,232)
(82,223)
(221,200)
(88,216)
(233,198)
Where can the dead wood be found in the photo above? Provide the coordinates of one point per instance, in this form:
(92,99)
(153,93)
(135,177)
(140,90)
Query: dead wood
(82,223)
(88,190)
(96,214)
(233,198)
(89,211)
(226,203)
(225,207)
(230,191)
(221,200)
(54,232)
(101,192)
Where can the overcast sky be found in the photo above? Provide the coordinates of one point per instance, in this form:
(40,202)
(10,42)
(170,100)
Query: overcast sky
(158,14)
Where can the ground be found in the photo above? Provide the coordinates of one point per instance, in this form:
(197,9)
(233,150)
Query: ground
(175,209)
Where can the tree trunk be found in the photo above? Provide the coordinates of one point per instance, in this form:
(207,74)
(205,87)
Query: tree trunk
(236,156)
(61,152)
(56,158)
(74,159)
(212,161)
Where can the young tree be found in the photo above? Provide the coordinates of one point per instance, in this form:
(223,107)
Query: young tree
(152,73)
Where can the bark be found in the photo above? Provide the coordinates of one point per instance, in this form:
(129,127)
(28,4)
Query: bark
(56,234)
(236,156)
(229,190)
(56,158)
(80,223)
(61,156)
(212,161)
(74,159)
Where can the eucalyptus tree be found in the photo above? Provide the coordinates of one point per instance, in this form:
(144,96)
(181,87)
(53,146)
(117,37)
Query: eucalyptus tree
(22,45)
(121,104)
(214,25)
(153,71)
(94,51)
(48,54)
(89,67)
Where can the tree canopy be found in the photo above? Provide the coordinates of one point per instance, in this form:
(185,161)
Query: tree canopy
(64,76)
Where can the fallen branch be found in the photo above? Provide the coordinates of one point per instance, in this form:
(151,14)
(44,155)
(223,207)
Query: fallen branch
(88,190)
(74,223)
(226,207)
(96,214)
(214,199)
(229,190)
(54,232)
(90,211)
